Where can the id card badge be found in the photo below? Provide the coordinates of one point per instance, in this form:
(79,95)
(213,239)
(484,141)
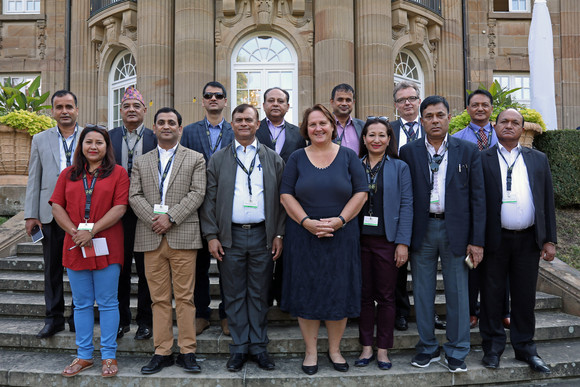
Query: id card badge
(434,198)
(509,198)
(160,208)
(85,226)
(250,204)
(371,221)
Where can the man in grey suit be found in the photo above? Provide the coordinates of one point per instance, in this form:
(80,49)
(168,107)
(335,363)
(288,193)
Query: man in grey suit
(243,222)
(348,128)
(51,152)
(207,136)
(167,188)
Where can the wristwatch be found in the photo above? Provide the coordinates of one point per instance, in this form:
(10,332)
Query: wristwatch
(171,219)
(280,236)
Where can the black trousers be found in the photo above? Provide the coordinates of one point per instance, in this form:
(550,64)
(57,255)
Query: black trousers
(517,257)
(402,304)
(201,295)
(144,314)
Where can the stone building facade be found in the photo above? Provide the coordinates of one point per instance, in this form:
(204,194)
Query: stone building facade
(171,48)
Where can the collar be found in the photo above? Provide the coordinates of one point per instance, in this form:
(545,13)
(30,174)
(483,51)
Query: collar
(72,135)
(487,127)
(169,151)
(432,148)
(503,149)
(348,122)
(253,144)
(270,123)
(209,125)
(139,129)
(404,121)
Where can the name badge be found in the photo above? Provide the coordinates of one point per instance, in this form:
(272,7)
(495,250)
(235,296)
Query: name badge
(160,209)
(371,221)
(510,198)
(250,204)
(434,198)
(85,226)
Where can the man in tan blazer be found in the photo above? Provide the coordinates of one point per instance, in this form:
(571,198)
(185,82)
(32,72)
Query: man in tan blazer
(167,187)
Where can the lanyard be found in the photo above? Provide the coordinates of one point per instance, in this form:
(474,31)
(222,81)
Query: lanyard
(68,151)
(476,133)
(249,173)
(131,151)
(279,133)
(89,193)
(510,168)
(219,139)
(372,175)
(409,137)
(165,172)
(434,162)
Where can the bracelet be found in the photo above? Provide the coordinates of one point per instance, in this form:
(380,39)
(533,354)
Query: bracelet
(343,221)
(303,219)
(92,235)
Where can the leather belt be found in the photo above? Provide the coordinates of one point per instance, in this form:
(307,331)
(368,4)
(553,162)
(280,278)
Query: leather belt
(248,226)
(437,216)
(525,230)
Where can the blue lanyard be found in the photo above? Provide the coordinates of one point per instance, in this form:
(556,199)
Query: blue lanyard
(68,151)
(165,172)
(434,162)
(219,139)
(476,133)
(372,175)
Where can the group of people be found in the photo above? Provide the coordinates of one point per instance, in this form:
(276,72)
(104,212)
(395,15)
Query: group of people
(323,218)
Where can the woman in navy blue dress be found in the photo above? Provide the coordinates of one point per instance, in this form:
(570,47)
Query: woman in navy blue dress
(323,188)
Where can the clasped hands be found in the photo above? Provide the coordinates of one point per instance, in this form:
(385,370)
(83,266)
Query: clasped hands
(324,227)
(161,224)
(82,238)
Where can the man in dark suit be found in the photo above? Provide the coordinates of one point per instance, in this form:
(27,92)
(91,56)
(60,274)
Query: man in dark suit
(207,136)
(243,222)
(348,128)
(448,222)
(51,152)
(520,230)
(130,141)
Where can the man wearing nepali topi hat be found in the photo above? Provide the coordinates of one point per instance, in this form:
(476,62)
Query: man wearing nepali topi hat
(130,141)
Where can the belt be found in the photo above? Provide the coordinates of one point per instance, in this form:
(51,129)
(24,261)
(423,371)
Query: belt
(437,216)
(248,226)
(529,229)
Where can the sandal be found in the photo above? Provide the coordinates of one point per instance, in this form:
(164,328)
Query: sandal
(110,368)
(84,364)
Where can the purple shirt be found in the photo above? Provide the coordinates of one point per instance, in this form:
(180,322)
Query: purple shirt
(277,134)
(347,136)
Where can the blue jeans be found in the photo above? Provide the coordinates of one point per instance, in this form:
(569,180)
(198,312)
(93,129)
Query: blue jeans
(101,286)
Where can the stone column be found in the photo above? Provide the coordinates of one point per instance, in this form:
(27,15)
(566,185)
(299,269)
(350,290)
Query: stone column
(449,75)
(570,41)
(194,56)
(374,61)
(333,46)
(83,70)
(155,25)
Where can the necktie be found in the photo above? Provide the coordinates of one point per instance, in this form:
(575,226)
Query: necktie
(410,131)
(482,140)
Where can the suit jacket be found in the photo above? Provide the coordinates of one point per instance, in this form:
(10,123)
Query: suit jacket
(397,201)
(43,171)
(464,193)
(116,134)
(397,130)
(216,212)
(540,180)
(293,141)
(194,137)
(185,192)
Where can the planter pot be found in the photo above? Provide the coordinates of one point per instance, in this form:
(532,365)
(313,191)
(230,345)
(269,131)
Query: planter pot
(530,131)
(14,151)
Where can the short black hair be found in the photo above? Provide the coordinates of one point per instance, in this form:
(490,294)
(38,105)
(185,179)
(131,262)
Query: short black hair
(243,107)
(215,84)
(482,92)
(433,100)
(167,110)
(277,88)
(342,87)
(62,93)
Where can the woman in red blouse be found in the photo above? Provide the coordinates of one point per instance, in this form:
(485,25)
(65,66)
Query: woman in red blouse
(88,202)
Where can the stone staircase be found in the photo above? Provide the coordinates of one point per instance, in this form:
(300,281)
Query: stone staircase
(25,360)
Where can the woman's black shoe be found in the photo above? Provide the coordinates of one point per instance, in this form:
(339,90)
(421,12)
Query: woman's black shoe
(342,367)
(310,370)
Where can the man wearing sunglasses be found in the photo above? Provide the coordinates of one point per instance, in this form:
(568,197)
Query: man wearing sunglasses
(207,136)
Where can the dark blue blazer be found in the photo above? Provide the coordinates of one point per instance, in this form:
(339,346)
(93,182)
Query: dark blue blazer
(464,193)
(194,137)
(397,130)
(540,179)
(294,139)
(149,142)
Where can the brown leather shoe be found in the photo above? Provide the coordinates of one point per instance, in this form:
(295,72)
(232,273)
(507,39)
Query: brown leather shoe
(201,325)
(225,328)
(76,366)
(507,322)
(473,320)
(110,368)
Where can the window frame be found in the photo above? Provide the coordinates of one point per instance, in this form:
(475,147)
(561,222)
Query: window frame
(113,85)
(7,11)
(511,78)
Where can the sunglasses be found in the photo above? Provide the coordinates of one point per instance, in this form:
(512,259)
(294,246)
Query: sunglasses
(380,118)
(216,95)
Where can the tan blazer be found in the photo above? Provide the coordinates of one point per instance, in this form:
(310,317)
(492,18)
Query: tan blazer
(185,194)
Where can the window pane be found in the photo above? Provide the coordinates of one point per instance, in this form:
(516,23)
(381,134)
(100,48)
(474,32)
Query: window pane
(285,56)
(254,80)
(242,97)
(286,80)
(242,81)
(273,79)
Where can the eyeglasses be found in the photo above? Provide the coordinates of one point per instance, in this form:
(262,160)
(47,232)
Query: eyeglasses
(411,99)
(380,118)
(216,95)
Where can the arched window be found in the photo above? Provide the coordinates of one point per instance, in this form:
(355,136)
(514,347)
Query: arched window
(261,62)
(408,68)
(122,75)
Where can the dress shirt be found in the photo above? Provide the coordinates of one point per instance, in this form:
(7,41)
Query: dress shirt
(214,134)
(348,135)
(241,213)
(277,133)
(438,177)
(69,140)
(164,157)
(517,210)
(403,135)
(468,134)
(131,139)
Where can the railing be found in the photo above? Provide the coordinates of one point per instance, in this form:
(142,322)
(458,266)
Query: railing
(431,5)
(99,5)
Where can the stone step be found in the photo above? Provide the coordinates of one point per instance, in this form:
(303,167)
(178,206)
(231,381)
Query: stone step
(18,368)
(284,339)
(29,248)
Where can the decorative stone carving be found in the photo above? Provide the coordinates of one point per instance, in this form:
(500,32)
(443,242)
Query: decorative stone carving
(112,29)
(129,25)
(41,34)
(491,23)
(285,12)
(263,14)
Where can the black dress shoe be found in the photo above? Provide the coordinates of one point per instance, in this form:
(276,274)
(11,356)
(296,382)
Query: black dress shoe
(440,324)
(536,363)
(364,362)
(188,362)
(71,325)
(49,330)
(401,323)
(264,361)
(490,361)
(310,370)
(156,364)
(236,361)
(143,333)
(122,330)
(342,367)
(384,365)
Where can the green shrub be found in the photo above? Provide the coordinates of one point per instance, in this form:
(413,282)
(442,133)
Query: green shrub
(26,121)
(561,147)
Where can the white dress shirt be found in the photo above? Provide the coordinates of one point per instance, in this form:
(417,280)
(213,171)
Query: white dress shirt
(248,209)
(403,135)
(69,140)
(164,157)
(438,177)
